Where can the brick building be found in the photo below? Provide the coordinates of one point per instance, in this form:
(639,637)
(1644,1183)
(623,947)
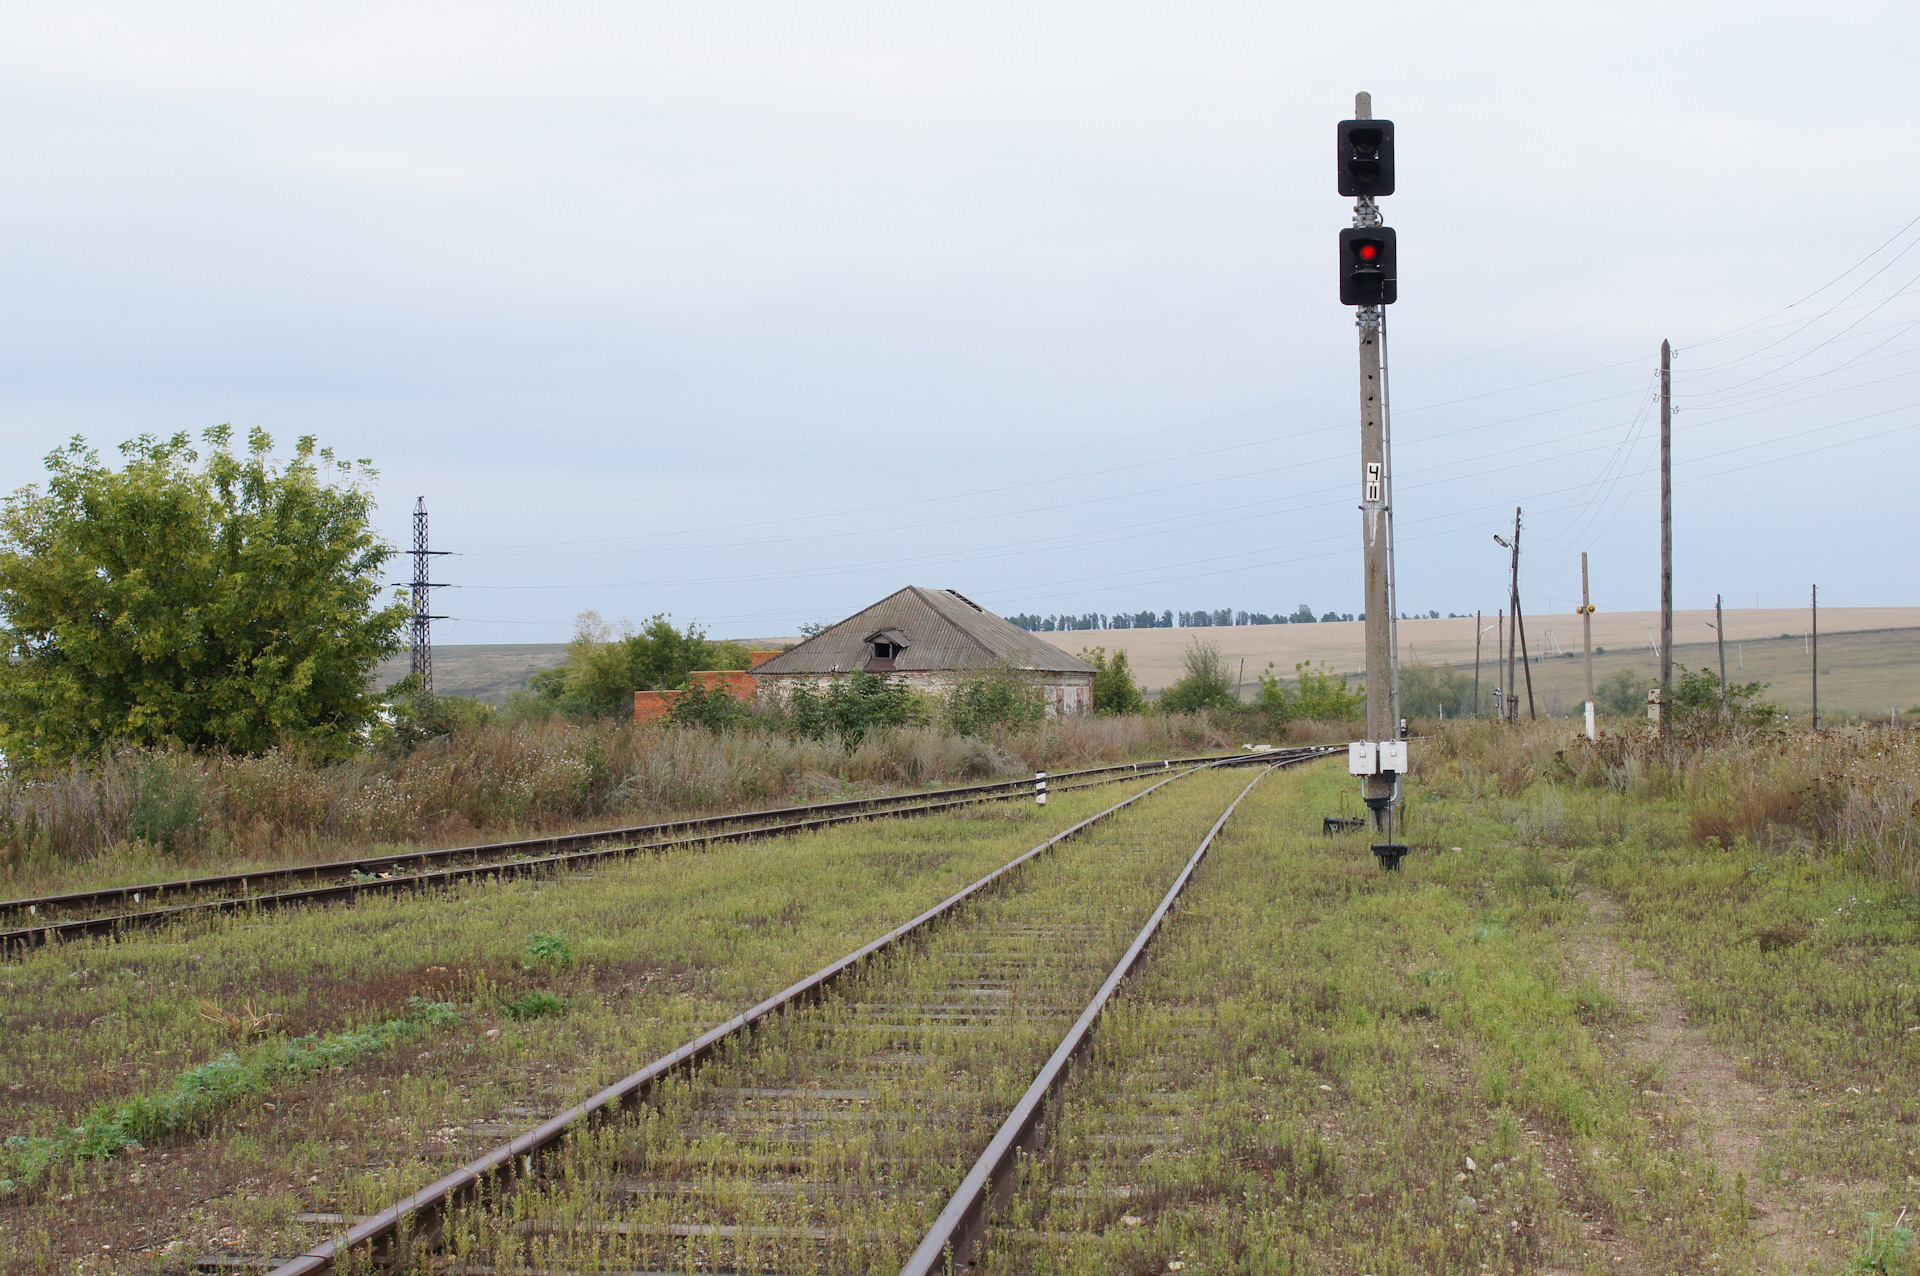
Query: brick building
(932,639)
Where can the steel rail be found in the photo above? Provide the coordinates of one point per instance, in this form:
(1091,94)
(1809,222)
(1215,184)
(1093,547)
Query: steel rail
(95,927)
(955,1236)
(547,845)
(423,1213)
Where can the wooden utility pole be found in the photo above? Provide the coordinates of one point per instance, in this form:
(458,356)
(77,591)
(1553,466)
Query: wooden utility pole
(1586,636)
(1499,659)
(1476,664)
(1519,637)
(1815,637)
(1720,636)
(1666,523)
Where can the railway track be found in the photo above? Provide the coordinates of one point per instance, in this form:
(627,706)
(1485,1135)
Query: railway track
(864,1118)
(46,919)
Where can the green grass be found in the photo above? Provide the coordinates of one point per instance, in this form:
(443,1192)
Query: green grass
(663,949)
(1295,1083)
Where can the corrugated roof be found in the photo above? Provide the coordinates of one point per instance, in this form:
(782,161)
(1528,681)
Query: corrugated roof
(943,630)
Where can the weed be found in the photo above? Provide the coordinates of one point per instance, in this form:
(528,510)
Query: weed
(550,948)
(533,1005)
(196,1095)
(1889,1251)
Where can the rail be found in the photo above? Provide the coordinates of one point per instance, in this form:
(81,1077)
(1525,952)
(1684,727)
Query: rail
(413,870)
(422,1215)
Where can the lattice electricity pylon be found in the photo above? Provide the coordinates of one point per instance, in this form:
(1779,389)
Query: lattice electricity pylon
(422,623)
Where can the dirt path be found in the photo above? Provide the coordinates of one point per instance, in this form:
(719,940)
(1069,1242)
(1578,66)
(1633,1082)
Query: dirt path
(1719,1115)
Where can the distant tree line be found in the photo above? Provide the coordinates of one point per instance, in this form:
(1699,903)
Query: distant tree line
(1220,617)
(1203,619)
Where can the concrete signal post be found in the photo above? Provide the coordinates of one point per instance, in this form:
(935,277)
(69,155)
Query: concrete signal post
(1369,282)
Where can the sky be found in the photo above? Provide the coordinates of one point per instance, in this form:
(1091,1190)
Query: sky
(751,314)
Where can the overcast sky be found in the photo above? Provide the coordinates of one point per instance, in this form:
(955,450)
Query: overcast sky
(753,313)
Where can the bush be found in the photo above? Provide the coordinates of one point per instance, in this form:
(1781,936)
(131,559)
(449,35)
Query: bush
(1622,693)
(1206,684)
(1114,690)
(602,670)
(1009,698)
(549,948)
(714,708)
(1701,703)
(850,707)
(421,716)
(1318,694)
(1432,691)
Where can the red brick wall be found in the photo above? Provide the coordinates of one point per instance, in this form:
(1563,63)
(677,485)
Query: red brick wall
(761,657)
(652,706)
(742,684)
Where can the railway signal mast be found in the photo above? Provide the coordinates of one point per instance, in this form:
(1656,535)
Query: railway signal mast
(1369,281)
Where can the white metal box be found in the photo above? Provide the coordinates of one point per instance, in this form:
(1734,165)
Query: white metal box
(1361,758)
(1393,756)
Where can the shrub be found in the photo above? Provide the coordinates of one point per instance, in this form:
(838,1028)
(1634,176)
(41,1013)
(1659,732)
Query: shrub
(1701,703)
(1009,698)
(714,707)
(533,1005)
(1622,693)
(1114,690)
(1432,691)
(549,948)
(419,716)
(1317,694)
(602,670)
(849,707)
(1206,684)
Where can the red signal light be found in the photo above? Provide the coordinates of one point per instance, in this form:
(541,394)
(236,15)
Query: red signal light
(1367,252)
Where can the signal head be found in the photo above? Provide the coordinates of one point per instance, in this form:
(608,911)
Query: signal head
(1365,154)
(1368,267)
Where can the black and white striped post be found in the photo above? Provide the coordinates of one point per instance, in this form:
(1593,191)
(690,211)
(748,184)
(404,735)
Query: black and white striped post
(1040,787)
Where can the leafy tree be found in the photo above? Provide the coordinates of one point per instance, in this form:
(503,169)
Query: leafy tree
(1317,694)
(1427,691)
(1001,697)
(1114,690)
(603,670)
(849,707)
(1206,684)
(228,601)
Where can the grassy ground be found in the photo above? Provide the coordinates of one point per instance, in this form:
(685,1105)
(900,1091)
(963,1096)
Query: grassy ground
(655,950)
(139,816)
(1621,1012)
(837,1137)
(1560,1040)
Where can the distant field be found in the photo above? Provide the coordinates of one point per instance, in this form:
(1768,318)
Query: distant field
(1869,656)
(484,671)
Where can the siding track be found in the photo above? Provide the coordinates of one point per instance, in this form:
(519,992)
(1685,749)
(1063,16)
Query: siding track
(45,919)
(828,1126)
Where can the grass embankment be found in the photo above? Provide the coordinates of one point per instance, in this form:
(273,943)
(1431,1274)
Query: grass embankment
(661,948)
(1467,1066)
(835,1140)
(142,816)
